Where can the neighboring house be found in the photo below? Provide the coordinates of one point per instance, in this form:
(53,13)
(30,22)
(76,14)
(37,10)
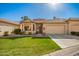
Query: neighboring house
(7,26)
(54,26)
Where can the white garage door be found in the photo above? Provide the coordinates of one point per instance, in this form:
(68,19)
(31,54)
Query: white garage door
(55,29)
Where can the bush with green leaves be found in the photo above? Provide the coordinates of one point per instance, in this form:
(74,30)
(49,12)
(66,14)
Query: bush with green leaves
(23,32)
(17,31)
(75,33)
(29,33)
(6,33)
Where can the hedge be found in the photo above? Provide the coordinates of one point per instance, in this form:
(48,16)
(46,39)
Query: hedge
(75,33)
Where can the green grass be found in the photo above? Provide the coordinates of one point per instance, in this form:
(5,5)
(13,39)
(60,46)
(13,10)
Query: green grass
(27,46)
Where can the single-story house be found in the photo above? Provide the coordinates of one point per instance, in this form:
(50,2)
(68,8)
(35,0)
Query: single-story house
(54,26)
(7,26)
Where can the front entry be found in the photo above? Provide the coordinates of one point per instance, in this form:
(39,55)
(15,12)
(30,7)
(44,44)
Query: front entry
(39,29)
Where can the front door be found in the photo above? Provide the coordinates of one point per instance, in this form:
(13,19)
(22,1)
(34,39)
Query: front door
(39,29)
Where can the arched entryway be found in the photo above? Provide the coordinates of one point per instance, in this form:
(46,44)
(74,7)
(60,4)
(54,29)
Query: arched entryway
(39,28)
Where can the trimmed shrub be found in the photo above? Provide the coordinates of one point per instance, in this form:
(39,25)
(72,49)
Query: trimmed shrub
(73,33)
(36,32)
(23,32)
(6,33)
(29,33)
(77,33)
(17,31)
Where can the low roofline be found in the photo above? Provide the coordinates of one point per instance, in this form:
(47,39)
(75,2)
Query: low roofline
(9,22)
(39,20)
(49,21)
(72,19)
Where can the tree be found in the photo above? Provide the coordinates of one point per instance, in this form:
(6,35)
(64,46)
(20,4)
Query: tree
(54,17)
(25,18)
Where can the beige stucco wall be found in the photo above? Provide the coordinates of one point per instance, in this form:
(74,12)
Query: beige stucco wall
(6,27)
(54,28)
(73,26)
(62,28)
(30,24)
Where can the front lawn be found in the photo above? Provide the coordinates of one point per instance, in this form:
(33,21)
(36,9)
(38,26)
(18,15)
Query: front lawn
(27,46)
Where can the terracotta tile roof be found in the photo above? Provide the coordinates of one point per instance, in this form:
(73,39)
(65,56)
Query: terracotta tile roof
(9,22)
(73,19)
(39,19)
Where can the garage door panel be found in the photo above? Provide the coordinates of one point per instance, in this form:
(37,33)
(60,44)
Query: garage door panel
(55,29)
(75,28)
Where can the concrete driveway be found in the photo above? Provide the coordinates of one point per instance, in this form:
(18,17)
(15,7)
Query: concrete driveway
(70,51)
(65,41)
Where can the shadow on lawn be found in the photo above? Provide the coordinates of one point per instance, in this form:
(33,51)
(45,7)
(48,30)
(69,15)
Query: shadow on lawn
(40,37)
(12,38)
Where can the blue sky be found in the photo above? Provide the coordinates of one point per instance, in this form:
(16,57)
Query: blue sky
(14,11)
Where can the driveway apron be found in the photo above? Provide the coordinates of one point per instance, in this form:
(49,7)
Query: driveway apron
(65,41)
